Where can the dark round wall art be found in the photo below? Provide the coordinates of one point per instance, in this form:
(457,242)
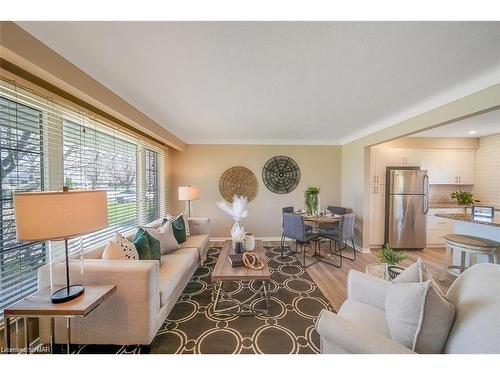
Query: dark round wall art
(281,174)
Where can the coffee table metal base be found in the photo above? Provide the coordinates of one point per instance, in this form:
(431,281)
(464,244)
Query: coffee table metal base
(240,308)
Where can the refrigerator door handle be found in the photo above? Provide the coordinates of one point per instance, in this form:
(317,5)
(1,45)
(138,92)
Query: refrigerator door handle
(426,194)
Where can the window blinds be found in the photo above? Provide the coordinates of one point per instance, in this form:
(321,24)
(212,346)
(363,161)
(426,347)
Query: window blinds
(45,146)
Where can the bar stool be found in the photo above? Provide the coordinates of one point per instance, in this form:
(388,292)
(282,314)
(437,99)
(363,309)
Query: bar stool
(471,245)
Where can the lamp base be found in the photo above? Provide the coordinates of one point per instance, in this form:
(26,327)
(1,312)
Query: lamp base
(67,294)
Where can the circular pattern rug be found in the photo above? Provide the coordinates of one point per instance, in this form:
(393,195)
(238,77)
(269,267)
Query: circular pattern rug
(192,328)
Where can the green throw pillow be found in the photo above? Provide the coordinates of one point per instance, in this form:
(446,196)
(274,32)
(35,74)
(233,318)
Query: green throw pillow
(179,227)
(147,246)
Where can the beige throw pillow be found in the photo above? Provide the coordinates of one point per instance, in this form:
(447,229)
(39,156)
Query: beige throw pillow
(120,248)
(165,235)
(412,274)
(418,316)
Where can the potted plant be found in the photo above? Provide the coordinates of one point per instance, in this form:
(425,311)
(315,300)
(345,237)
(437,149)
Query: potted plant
(311,200)
(464,198)
(391,258)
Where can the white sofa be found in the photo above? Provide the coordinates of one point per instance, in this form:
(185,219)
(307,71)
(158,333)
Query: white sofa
(360,325)
(146,292)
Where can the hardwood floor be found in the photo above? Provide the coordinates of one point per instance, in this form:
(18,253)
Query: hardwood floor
(332,281)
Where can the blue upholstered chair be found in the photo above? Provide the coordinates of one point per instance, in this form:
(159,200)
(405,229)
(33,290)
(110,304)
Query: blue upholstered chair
(294,228)
(333,226)
(341,236)
(290,210)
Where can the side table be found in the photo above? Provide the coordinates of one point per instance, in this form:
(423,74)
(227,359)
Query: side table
(39,305)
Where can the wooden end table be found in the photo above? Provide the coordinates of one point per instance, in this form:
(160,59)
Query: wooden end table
(223,271)
(39,305)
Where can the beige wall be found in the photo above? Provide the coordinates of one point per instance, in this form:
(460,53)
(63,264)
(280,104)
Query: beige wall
(202,165)
(355,155)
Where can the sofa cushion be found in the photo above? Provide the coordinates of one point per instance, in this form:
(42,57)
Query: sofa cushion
(418,316)
(365,315)
(180,227)
(173,270)
(120,248)
(412,274)
(147,246)
(165,235)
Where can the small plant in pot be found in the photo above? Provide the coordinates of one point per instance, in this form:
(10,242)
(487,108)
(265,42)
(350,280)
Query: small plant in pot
(391,259)
(464,198)
(311,200)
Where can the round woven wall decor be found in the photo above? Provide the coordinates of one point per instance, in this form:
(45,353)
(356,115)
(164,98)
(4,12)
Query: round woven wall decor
(238,181)
(281,174)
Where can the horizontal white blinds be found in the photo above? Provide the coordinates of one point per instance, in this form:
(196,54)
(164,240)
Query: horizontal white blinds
(45,146)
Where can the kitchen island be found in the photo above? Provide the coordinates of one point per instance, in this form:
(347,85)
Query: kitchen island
(467,224)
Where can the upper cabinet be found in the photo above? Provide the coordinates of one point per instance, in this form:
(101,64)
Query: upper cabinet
(378,163)
(458,167)
(405,157)
(451,167)
(445,167)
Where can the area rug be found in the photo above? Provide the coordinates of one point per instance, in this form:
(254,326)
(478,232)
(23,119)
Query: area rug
(191,327)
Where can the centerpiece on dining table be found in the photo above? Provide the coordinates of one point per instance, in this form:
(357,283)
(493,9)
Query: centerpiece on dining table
(311,201)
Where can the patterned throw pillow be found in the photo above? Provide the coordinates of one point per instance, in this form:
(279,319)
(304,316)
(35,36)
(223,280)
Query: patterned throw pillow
(179,225)
(120,248)
(147,246)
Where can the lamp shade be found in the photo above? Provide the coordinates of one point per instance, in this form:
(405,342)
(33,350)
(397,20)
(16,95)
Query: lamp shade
(189,193)
(53,215)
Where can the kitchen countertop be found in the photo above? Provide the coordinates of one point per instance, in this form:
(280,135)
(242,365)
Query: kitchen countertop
(470,219)
(445,205)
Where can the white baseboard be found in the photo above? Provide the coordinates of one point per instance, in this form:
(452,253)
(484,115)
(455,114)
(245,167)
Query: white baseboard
(365,250)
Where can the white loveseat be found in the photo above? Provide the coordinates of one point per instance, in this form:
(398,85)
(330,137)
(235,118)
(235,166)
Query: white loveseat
(360,325)
(146,291)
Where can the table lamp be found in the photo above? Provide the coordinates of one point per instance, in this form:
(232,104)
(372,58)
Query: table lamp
(189,193)
(59,216)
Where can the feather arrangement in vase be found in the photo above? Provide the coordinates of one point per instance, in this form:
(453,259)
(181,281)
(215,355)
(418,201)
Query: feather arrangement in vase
(237,211)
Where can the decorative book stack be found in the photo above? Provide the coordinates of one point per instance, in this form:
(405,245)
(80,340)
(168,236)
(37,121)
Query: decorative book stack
(236,260)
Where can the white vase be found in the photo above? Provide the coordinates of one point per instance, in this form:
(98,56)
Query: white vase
(249,242)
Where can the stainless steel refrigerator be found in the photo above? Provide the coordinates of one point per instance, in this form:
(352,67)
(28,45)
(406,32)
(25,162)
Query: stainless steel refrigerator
(407,203)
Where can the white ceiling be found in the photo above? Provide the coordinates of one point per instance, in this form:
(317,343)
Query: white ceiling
(483,125)
(277,82)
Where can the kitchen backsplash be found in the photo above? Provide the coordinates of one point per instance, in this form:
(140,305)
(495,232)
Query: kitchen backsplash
(487,187)
(441,193)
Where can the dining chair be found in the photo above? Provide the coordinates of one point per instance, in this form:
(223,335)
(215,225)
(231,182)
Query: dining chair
(344,234)
(294,228)
(333,226)
(290,210)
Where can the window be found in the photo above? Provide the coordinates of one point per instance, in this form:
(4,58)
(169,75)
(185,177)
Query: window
(152,187)
(21,140)
(45,146)
(96,159)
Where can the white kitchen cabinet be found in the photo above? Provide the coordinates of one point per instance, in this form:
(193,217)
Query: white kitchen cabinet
(433,165)
(405,157)
(458,167)
(377,215)
(438,227)
(378,164)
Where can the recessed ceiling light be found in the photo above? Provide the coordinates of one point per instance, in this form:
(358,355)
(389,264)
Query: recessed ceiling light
(472,132)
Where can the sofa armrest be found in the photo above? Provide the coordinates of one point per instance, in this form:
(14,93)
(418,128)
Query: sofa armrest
(199,225)
(339,335)
(366,288)
(129,315)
